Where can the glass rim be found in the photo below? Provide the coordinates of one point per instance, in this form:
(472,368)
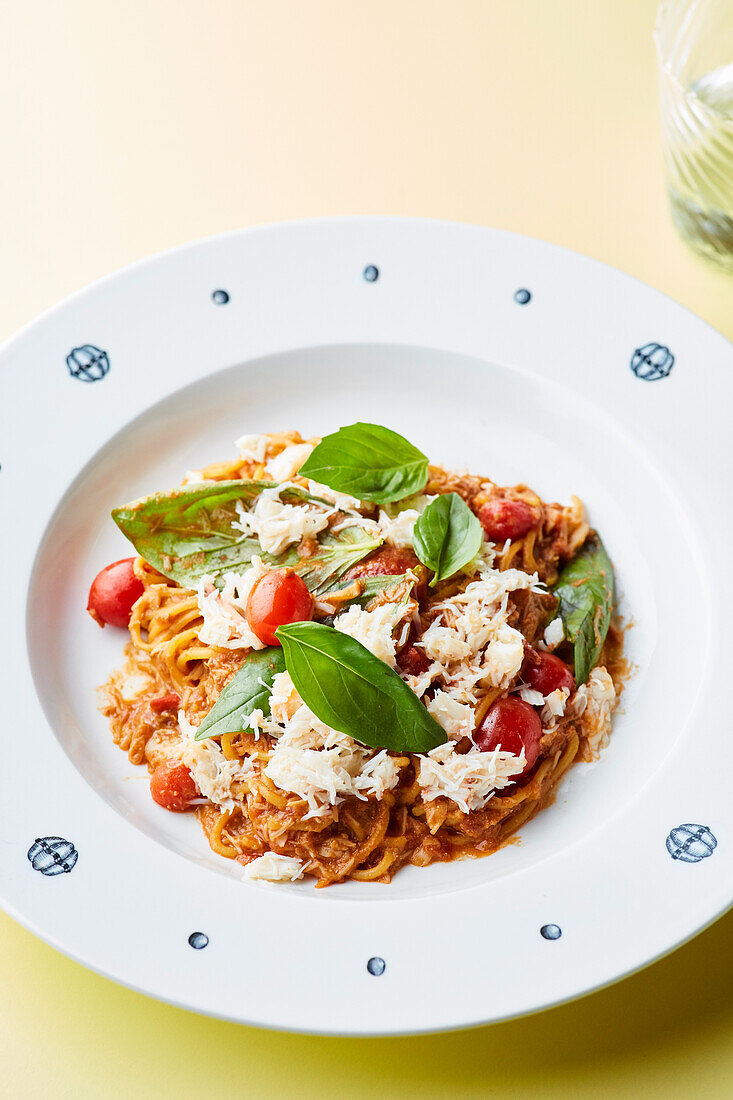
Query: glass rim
(665,66)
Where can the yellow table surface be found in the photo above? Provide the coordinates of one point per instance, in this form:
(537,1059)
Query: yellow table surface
(127,128)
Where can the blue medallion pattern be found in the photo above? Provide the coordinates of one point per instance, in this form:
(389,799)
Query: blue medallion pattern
(551,931)
(376,966)
(198,940)
(52,855)
(691,843)
(652,362)
(88,363)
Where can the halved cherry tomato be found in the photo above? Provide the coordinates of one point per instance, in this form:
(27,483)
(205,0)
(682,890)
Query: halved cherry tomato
(504,519)
(391,561)
(545,672)
(279,597)
(173,787)
(114,590)
(512,725)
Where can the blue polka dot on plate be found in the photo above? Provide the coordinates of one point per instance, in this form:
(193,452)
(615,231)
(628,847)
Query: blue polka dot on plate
(371,273)
(198,940)
(551,931)
(522,296)
(376,966)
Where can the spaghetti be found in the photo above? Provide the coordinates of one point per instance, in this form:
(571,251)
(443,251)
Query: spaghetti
(392,809)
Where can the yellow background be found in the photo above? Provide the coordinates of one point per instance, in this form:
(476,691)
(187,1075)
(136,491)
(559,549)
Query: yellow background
(128,128)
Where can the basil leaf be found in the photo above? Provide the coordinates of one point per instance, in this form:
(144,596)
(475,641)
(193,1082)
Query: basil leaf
(188,532)
(336,553)
(447,536)
(369,587)
(354,692)
(369,462)
(585,589)
(248,690)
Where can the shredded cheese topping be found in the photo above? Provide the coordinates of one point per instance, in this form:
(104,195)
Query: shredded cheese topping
(341,501)
(470,640)
(597,698)
(554,633)
(210,769)
(225,623)
(274,868)
(315,762)
(374,629)
(278,525)
(469,780)
(455,718)
(284,467)
(252,448)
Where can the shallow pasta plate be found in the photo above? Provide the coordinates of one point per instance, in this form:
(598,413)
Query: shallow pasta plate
(491,352)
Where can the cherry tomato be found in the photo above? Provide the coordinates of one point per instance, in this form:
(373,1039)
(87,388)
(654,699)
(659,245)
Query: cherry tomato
(391,561)
(507,519)
(545,672)
(279,597)
(165,702)
(172,786)
(113,593)
(412,661)
(512,725)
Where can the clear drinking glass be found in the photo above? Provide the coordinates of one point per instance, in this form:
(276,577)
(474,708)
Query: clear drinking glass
(694,41)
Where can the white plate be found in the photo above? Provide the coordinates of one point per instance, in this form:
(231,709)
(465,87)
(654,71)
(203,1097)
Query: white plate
(491,351)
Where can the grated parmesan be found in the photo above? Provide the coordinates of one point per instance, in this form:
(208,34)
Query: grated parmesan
(554,633)
(284,467)
(342,502)
(274,868)
(321,777)
(396,523)
(277,525)
(532,696)
(211,771)
(252,448)
(225,624)
(596,699)
(554,705)
(444,644)
(374,629)
(456,718)
(316,762)
(379,774)
(469,780)
(470,640)
(284,699)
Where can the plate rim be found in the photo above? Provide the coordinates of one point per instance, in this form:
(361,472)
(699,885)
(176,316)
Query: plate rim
(346,223)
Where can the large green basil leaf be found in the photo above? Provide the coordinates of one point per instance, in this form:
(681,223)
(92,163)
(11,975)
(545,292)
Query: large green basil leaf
(248,690)
(352,691)
(447,536)
(189,531)
(368,462)
(585,589)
